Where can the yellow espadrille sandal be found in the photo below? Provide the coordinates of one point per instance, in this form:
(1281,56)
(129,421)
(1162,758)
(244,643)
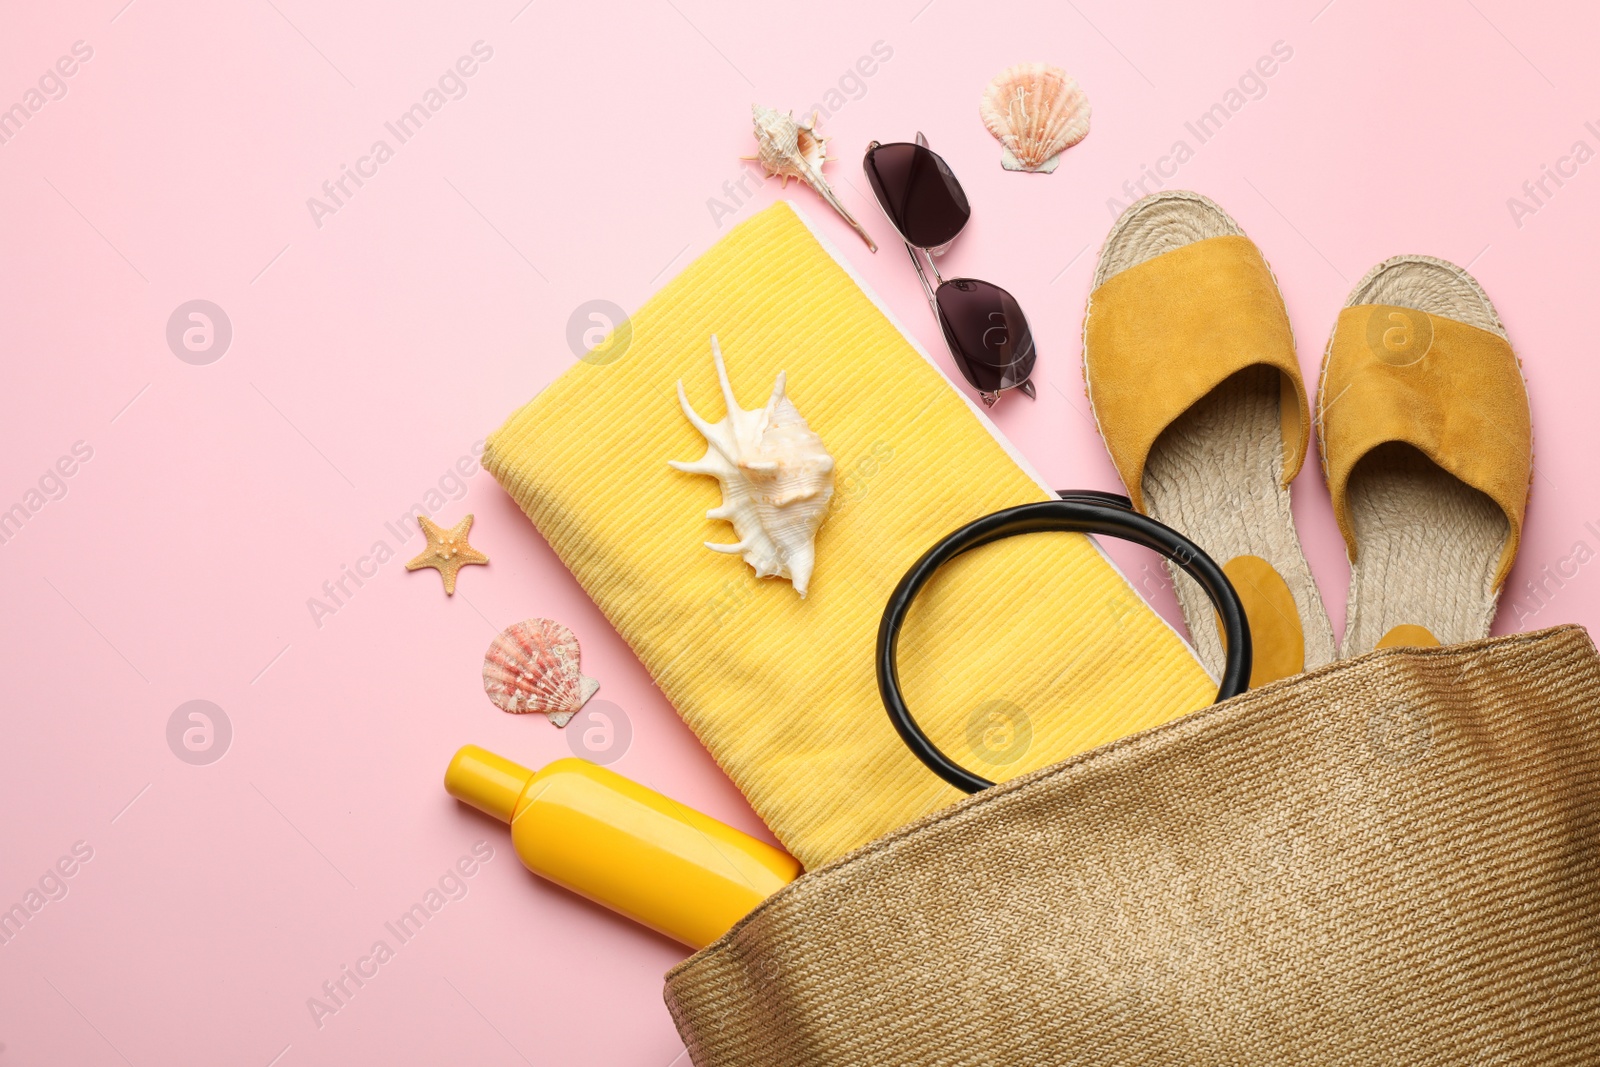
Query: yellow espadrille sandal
(1192,375)
(1427,447)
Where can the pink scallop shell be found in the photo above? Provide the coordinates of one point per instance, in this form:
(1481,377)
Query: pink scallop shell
(533,666)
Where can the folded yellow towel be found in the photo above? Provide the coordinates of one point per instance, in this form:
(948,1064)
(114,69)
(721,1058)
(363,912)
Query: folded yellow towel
(1017,655)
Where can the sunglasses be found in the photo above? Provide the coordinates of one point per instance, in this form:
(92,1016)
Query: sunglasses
(983,324)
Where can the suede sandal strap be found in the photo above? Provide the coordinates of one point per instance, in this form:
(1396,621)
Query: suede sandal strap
(1164,333)
(1452,391)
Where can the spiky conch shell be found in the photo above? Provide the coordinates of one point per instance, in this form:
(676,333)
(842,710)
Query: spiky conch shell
(533,666)
(789,149)
(1037,112)
(776,479)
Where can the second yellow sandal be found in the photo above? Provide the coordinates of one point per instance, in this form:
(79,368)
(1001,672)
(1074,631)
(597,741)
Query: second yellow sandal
(1196,389)
(1427,446)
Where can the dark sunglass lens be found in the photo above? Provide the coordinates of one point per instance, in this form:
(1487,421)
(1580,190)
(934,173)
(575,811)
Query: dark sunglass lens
(987,332)
(918,192)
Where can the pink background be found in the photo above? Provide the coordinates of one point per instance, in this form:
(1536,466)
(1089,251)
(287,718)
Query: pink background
(371,352)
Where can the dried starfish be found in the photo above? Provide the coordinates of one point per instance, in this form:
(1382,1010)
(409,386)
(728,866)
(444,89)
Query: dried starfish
(447,550)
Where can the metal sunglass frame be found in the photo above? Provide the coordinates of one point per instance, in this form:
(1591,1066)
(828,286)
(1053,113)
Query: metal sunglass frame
(1026,386)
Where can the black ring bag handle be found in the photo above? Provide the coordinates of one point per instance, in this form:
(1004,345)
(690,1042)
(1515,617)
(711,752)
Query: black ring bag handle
(1076,512)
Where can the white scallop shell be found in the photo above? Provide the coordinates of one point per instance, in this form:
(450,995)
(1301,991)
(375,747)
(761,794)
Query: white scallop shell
(533,666)
(1036,111)
(776,478)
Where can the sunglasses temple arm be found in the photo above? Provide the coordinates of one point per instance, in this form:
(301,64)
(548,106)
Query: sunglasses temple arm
(926,288)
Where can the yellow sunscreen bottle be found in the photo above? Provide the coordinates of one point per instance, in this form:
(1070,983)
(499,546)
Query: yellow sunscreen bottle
(626,847)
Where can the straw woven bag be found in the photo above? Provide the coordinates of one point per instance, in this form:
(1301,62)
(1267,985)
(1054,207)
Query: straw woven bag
(1393,859)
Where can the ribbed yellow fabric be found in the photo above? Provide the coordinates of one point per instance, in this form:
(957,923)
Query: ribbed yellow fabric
(1015,656)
